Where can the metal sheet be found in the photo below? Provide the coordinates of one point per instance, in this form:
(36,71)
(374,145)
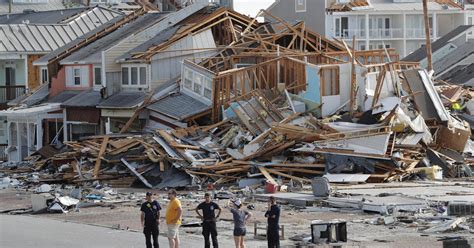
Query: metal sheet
(347,178)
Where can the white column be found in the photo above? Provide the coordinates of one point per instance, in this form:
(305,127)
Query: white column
(404,30)
(65,138)
(367,31)
(26,74)
(39,133)
(28,133)
(435,27)
(18,141)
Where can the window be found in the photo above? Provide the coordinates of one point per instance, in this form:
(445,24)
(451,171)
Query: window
(387,26)
(134,76)
(97,76)
(188,78)
(77,76)
(362,27)
(208,88)
(44,75)
(342,26)
(125,76)
(362,47)
(143,76)
(197,86)
(300,5)
(329,81)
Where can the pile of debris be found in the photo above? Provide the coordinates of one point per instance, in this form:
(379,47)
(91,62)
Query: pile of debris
(272,136)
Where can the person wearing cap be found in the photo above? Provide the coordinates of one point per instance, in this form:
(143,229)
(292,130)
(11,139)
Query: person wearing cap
(173,218)
(209,219)
(150,219)
(240,216)
(273,219)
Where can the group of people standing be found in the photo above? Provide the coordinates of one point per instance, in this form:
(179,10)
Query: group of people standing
(209,212)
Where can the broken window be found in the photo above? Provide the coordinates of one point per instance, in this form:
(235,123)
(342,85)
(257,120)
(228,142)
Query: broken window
(329,81)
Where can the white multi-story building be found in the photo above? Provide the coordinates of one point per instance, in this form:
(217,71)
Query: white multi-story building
(377,24)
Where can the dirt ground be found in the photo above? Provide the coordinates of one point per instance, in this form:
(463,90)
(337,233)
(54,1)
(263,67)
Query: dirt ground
(296,221)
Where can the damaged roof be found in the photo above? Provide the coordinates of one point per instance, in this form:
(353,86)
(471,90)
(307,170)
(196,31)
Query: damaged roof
(90,52)
(43,38)
(420,53)
(158,39)
(461,75)
(454,57)
(123,100)
(178,106)
(42,17)
(89,98)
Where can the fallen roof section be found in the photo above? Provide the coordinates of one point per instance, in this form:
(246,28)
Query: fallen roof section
(179,106)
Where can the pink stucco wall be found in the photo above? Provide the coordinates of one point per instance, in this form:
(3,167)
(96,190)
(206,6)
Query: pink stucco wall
(58,83)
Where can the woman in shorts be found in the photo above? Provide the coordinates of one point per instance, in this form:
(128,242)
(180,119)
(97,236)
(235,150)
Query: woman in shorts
(240,217)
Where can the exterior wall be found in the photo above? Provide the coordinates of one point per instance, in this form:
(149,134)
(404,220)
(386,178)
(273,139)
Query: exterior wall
(167,65)
(314,16)
(59,84)
(20,73)
(33,73)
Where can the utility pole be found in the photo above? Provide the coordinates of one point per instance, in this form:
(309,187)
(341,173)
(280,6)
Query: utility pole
(427,34)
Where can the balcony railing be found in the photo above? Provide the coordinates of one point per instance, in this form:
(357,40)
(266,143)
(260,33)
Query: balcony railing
(373,33)
(8,93)
(414,33)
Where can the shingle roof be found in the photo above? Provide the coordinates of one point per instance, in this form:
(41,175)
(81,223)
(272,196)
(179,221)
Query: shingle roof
(460,75)
(178,106)
(452,58)
(123,100)
(38,38)
(84,99)
(420,53)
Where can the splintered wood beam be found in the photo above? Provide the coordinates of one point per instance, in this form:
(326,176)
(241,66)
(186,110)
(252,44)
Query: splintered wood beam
(267,175)
(99,157)
(287,176)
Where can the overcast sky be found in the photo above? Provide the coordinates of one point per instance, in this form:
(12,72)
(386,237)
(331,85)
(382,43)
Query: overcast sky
(251,7)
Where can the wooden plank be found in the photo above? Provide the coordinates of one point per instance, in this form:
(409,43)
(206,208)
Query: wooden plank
(288,176)
(267,175)
(99,157)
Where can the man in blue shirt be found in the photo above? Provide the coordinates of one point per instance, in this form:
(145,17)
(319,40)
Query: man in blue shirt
(273,218)
(150,219)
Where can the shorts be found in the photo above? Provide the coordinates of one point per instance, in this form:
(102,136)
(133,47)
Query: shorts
(239,231)
(173,231)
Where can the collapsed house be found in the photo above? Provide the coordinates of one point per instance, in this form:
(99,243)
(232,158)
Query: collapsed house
(219,98)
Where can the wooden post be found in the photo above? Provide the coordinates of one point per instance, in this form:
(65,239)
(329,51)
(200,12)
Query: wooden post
(99,157)
(427,34)
(353,78)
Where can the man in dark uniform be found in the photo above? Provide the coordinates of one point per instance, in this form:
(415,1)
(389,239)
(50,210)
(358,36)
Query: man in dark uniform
(150,219)
(209,219)
(273,217)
